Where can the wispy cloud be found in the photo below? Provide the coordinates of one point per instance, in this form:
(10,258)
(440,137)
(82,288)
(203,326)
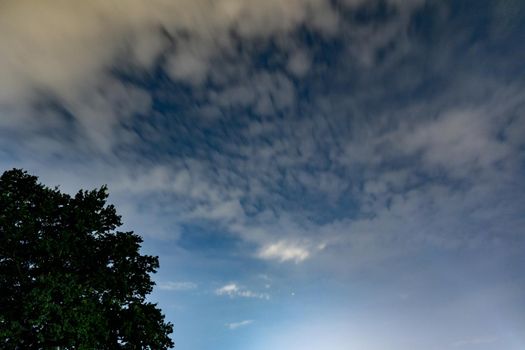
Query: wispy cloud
(176,286)
(473,342)
(233,290)
(284,251)
(235,325)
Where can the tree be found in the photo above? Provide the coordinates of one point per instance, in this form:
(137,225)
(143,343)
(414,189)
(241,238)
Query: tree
(68,279)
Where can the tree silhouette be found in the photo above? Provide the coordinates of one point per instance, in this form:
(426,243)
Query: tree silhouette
(68,279)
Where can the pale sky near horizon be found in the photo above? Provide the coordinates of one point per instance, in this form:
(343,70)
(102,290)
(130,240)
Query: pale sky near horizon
(313,174)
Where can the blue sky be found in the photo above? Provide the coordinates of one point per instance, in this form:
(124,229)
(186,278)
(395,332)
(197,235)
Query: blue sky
(313,174)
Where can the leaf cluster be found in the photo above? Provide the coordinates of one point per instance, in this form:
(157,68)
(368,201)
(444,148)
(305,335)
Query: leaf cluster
(68,278)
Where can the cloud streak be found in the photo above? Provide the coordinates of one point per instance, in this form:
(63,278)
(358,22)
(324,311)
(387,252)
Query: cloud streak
(236,325)
(176,286)
(232,290)
(283,251)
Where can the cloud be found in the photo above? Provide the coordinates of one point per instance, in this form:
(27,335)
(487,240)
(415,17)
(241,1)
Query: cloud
(284,251)
(176,286)
(299,63)
(67,51)
(235,325)
(67,46)
(265,93)
(315,137)
(460,141)
(285,167)
(475,341)
(233,290)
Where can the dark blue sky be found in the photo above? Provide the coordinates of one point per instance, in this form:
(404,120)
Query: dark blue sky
(313,174)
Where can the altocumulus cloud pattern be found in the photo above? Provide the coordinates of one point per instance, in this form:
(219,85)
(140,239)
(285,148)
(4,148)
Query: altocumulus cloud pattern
(314,174)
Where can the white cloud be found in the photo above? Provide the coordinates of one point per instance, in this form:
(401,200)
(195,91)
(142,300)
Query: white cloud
(67,50)
(234,325)
(176,286)
(284,251)
(228,289)
(460,141)
(299,63)
(474,342)
(187,66)
(233,290)
(267,93)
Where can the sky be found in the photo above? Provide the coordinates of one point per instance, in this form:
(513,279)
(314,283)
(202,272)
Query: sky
(313,174)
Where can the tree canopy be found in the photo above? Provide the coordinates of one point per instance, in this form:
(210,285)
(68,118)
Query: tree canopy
(68,278)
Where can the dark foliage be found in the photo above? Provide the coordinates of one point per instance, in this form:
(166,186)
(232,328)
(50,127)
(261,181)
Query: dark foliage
(68,279)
